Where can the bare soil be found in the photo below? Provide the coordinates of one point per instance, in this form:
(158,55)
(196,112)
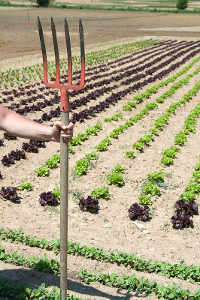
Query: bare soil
(111,228)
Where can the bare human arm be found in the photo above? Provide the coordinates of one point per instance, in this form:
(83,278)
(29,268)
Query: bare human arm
(25,128)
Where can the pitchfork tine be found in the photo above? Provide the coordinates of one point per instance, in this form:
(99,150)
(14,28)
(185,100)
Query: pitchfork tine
(44,54)
(68,44)
(82,53)
(55,44)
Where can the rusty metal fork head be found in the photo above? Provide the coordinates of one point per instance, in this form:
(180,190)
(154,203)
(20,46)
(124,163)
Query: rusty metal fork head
(63,87)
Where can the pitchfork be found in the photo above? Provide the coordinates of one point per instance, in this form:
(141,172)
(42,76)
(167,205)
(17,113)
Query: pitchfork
(64,108)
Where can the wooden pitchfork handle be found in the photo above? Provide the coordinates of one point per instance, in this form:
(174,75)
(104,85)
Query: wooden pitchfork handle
(64,151)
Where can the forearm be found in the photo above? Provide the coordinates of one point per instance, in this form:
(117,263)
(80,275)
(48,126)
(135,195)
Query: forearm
(25,128)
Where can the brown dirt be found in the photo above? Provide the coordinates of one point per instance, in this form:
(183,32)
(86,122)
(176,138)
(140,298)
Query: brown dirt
(111,228)
(18,39)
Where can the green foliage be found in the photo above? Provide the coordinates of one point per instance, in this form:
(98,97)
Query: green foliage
(26,186)
(56,157)
(39,264)
(181,270)
(197,167)
(71,150)
(117,131)
(19,291)
(187,196)
(146,139)
(81,166)
(51,163)
(101,193)
(193,187)
(98,127)
(103,146)
(92,156)
(143,285)
(161,121)
(82,136)
(150,188)
(115,178)
(151,106)
(170,152)
(169,155)
(75,141)
(180,138)
(129,106)
(196,176)
(91,131)
(156,177)
(143,112)
(167,161)
(56,192)
(115,117)
(130,154)
(43,3)
(118,169)
(145,200)
(42,172)
(153,130)
(182,4)
(138,146)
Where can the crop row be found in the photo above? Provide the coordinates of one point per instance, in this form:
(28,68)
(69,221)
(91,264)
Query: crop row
(122,74)
(54,113)
(126,282)
(141,285)
(120,130)
(182,271)
(18,291)
(94,95)
(158,124)
(11,77)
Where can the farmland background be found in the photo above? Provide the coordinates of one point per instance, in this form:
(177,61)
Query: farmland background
(111,229)
(132,5)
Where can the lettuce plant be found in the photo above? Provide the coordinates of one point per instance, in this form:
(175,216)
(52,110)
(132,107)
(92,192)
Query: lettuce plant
(103,146)
(181,220)
(138,146)
(156,177)
(101,193)
(9,193)
(145,200)
(138,212)
(89,204)
(81,166)
(115,177)
(26,186)
(51,163)
(129,154)
(189,208)
(150,188)
(42,172)
(48,198)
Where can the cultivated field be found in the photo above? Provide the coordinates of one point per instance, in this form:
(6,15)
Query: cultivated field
(139,112)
